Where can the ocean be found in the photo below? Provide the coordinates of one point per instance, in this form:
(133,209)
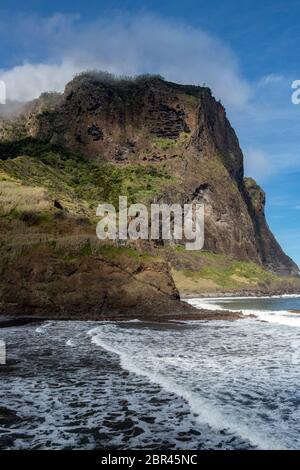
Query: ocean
(133,385)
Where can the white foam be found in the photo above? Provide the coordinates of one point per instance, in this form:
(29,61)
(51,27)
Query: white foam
(242,377)
(41,329)
(207,412)
(279,317)
(207,304)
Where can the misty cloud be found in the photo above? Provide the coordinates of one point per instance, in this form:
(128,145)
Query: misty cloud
(122,45)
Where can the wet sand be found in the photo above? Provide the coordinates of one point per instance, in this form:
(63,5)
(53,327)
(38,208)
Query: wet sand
(62,391)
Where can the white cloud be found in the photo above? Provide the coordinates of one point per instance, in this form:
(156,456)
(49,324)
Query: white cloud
(124,45)
(26,82)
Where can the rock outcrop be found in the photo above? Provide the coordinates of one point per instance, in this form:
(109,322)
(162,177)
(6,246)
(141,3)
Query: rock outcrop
(87,287)
(93,287)
(272,255)
(185,130)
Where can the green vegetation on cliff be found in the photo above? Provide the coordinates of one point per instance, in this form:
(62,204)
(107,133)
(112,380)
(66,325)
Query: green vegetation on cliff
(46,191)
(68,175)
(210,272)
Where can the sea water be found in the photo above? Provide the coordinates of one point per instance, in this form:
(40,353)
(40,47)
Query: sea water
(189,385)
(283,310)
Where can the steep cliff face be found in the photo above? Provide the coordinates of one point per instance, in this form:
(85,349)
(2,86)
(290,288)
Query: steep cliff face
(270,251)
(181,130)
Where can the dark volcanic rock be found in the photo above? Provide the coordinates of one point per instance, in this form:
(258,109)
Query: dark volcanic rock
(90,287)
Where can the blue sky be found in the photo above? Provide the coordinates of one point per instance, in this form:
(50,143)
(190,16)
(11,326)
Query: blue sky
(246,51)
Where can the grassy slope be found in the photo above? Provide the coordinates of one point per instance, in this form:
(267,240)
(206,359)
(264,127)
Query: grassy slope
(34,177)
(210,272)
(69,174)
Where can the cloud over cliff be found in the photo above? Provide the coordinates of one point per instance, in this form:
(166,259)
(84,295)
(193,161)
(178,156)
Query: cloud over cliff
(59,46)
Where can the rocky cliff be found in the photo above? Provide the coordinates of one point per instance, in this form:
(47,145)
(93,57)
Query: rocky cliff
(180,129)
(150,140)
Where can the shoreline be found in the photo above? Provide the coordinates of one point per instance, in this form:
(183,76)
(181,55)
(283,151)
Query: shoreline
(196,315)
(240,294)
(189,313)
